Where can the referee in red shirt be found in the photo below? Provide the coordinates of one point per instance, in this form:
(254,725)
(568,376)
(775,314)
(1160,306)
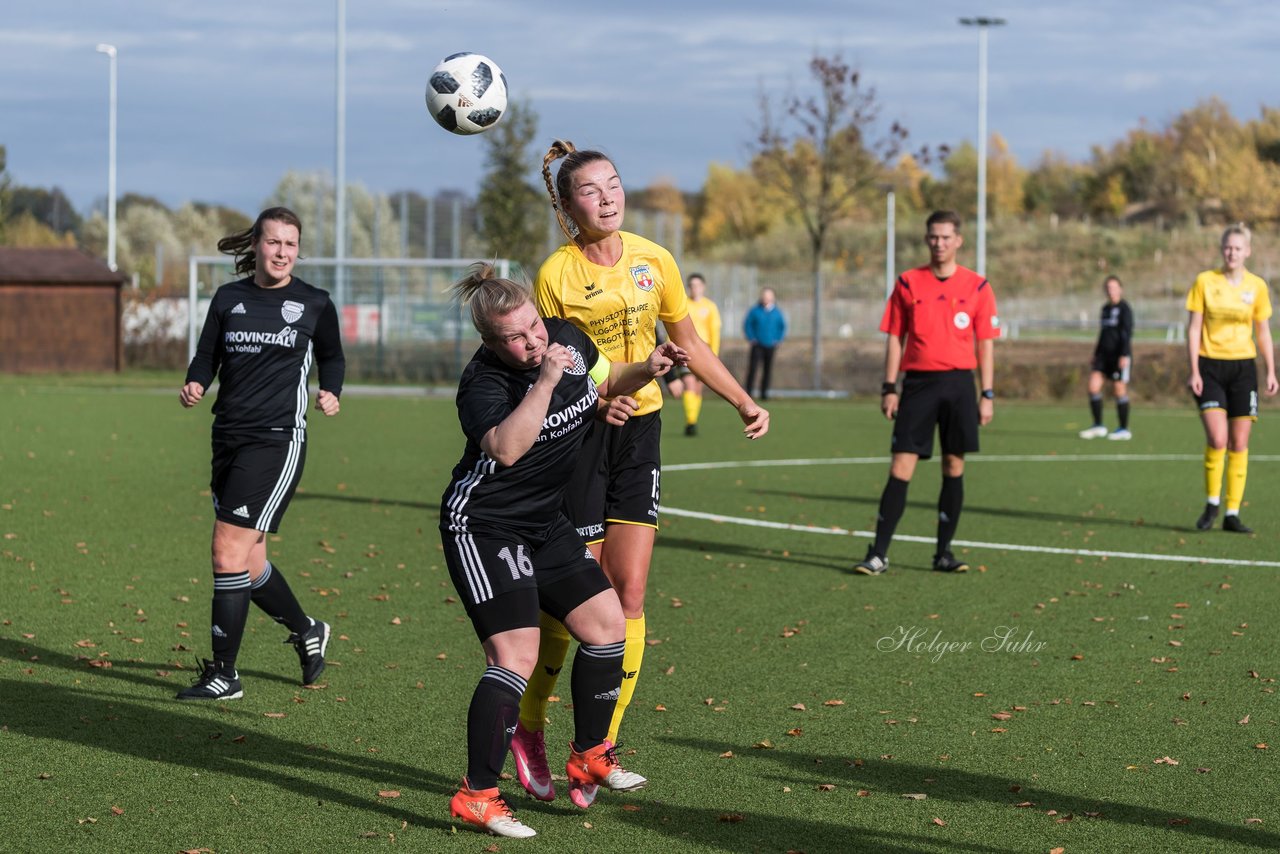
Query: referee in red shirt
(941,322)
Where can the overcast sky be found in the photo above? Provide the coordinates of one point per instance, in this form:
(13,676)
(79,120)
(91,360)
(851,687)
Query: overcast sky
(218,100)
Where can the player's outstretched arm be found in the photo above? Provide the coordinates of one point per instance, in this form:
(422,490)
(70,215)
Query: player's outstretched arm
(707,367)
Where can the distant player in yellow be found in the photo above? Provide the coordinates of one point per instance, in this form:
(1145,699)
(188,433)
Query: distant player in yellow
(1227,310)
(706,320)
(615,286)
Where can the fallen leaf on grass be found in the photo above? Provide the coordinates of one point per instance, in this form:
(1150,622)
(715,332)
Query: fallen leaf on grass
(1165,760)
(763,744)
(659,708)
(1023,805)
(833,703)
(388,793)
(795,732)
(1058,850)
(1262,746)
(630,808)
(1179,822)
(117,811)
(864,793)
(799,707)
(731,817)
(915,796)
(273,714)
(1244,720)
(1253,821)
(1002,716)
(44,775)
(826,787)
(728,754)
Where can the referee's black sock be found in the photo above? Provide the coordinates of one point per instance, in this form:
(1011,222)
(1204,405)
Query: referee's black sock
(271,593)
(230,613)
(1095,408)
(491,720)
(950,503)
(893,501)
(1122,411)
(596,682)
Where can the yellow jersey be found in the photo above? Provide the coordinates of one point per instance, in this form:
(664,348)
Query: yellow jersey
(618,306)
(1229,313)
(706,319)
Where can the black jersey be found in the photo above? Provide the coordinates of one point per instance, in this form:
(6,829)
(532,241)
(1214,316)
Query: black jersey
(260,343)
(525,496)
(1117,329)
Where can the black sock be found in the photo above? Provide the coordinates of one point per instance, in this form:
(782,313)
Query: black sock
(1122,411)
(491,720)
(950,503)
(271,593)
(230,613)
(893,501)
(595,683)
(1095,408)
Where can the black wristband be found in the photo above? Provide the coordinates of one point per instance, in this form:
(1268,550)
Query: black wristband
(989,394)
(888,388)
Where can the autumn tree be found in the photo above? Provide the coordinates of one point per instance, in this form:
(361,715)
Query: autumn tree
(817,155)
(733,209)
(512,209)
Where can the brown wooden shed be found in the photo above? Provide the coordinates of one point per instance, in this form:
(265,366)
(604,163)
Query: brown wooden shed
(60,310)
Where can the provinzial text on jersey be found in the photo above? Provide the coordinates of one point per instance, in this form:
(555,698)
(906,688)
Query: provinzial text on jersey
(560,423)
(284,338)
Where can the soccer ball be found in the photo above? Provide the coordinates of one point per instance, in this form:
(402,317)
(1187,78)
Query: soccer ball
(467,93)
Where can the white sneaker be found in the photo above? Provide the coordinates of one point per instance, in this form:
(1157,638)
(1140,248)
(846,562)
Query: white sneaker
(1097,431)
(1120,436)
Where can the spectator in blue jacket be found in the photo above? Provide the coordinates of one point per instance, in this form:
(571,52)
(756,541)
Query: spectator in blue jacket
(764,327)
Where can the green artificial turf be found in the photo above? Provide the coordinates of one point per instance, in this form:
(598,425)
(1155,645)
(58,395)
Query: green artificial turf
(780,709)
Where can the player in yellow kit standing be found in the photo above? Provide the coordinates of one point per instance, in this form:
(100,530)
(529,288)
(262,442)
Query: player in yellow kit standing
(706,320)
(1227,308)
(615,286)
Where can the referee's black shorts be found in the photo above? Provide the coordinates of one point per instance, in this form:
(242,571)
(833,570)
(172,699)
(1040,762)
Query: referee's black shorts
(253,480)
(616,479)
(942,399)
(1230,384)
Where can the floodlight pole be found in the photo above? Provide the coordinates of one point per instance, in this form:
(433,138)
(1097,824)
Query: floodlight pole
(890,226)
(110,51)
(983,24)
(340,168)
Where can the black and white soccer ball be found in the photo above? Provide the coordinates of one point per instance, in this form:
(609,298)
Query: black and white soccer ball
(467,93)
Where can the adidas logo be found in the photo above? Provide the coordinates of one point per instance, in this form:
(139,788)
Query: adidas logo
(612,695)
(464,102)
(218,632)
(242,511)
(477,808)
(239,309)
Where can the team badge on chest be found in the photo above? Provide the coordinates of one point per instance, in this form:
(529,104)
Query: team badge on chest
(642,277)
(962,320)
(579,366)
(291,310)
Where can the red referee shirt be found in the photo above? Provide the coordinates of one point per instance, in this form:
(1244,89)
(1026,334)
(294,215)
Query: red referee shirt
(940,318)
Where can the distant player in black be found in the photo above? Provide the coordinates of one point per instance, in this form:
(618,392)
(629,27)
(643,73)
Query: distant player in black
(260,339)
(526,401)
(1112,360)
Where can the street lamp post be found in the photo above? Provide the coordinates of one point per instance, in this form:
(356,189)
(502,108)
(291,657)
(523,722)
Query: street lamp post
(983,24)
(110,51)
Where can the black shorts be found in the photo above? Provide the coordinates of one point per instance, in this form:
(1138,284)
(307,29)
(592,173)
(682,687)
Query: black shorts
(944,399)
(504,578)
(1107,363)
(254,480)
(1230,384)
(616,479)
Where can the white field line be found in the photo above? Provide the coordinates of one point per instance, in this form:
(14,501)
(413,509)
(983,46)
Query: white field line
(969,459)
(1012,547)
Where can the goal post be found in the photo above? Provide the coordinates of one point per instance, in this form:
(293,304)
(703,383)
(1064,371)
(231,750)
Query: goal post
(393,311)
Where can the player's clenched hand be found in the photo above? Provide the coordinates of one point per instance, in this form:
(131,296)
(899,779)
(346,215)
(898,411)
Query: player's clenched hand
(190,394)
(889,405)
(755,417)
(665,356)
(327,402)
(555,362)
(619,410)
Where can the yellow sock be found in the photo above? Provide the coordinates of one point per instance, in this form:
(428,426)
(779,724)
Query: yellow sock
(551,652)
(692,406)
(1237,473)
(1213,465)
(632,655)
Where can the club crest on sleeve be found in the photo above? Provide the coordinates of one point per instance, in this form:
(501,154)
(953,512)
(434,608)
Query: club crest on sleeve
(579,366)
(642,277)
(291,310)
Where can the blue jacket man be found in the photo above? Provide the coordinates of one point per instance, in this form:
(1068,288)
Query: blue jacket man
(764,327)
